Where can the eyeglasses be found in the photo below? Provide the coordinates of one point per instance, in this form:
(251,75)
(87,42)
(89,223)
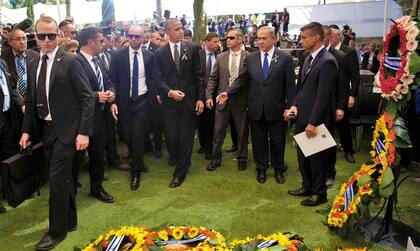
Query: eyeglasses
(131,36)
(231,38)
(20,39)
(100,40)
(51,36)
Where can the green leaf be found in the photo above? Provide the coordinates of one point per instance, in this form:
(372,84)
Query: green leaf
(387,191)
(214,242)
(364,179)
(414,64)
(388,178)
(401,131)
(391,107)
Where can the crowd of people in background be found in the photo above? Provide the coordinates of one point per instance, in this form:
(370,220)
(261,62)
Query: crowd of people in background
(76,90)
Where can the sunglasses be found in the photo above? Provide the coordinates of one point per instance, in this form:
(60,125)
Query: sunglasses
(130,36)
(231,38)
(51,36)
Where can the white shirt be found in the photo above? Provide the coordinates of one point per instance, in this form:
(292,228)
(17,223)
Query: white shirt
(269,56)
(89,58)
(6,93)
(213,59)
(171,45)
(371,54)
(50,61)
(315,53)
(142,72)
(337,47)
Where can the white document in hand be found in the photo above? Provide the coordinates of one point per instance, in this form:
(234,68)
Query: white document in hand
(323,140)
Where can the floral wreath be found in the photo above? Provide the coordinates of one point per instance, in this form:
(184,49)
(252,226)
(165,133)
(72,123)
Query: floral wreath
(284,241)
(396,86)
(383,154)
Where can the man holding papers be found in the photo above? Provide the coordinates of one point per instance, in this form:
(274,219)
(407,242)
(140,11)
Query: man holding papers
(313,106)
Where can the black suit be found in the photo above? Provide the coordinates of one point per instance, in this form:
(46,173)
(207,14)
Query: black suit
(314,105)
(351,64)
(267,100)
(71,105)
(133,112)
(180,118)
(375,62)
(97,142)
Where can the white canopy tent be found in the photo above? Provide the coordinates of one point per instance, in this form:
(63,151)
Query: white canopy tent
(366,18)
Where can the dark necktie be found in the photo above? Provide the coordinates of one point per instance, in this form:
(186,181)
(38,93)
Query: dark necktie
(41,94)
(265,65)
(176,57)
(135,86)
(98,74)
(208,65)
(307,65)
(21,84)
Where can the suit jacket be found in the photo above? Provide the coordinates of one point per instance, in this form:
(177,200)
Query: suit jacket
(152,47)
(351,61)
(189,80)
(120,76)
(98,118)
(343,86)
(375,61)
(317,91)
(71,101)
(203,61)
(272,95)
(9,58)
(219,82)
(14,108)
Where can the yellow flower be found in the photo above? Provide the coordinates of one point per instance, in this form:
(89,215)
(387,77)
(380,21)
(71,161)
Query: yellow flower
(178,233)
(163,235)
(193,232)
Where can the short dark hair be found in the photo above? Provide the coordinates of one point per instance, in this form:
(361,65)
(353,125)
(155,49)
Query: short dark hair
(63,23)
(315,28)
(169,23)
(187,33)
(210,36)
(87,34)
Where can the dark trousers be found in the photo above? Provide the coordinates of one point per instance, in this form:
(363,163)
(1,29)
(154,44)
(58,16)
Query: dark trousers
(313,169)
(180,124)
(344,132)
(205,125)
(332,158)
(268,143)
(62,202)
(157,125)
(222,118)
(8,144)
(233,133)
(96,151)
(112,156)
(134,126)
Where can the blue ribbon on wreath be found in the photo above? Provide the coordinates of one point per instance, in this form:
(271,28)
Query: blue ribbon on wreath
(392,63)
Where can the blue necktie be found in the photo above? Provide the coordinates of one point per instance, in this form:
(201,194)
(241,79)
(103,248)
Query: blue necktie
(98,74)
(135,86)
(21,84)
(265,65)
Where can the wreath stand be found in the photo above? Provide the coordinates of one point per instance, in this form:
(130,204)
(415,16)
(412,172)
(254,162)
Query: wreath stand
(385,230)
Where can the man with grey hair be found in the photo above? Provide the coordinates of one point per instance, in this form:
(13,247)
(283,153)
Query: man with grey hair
(269,73)
(351,64)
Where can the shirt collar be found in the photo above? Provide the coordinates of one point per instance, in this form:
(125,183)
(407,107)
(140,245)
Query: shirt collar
(147,45)
(207,52)
(131,50)
(270,52)
(338,46)
(87,56)
(315,53)
(51,55)
(172,44)
(15,54)
(234,52)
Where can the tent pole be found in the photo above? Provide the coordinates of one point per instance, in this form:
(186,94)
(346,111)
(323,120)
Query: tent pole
(58,10)
(415,8)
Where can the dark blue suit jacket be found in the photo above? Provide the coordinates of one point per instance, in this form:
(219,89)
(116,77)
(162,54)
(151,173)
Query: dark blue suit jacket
(120,76)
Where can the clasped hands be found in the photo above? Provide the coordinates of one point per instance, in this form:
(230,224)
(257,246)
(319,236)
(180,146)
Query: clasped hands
(106,96)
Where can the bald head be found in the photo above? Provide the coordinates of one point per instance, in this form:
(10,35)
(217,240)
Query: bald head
(136,30)
(136,36)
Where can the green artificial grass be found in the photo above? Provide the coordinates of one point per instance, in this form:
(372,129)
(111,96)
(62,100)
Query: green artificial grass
(227,200)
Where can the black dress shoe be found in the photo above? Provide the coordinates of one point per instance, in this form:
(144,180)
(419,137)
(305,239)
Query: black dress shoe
(158,154)
(102,195)
(176,182)
(201,150)
(2,209)
(314,200)
(350,158)
(213,165)
(172,162)
(78,185)
(48,242)
(135,183)
(279,177)
(299,192)
(144,168)
(242,165)
(233,149)
(261,177)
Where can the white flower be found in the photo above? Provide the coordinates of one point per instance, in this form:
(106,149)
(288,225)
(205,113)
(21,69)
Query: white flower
(404,89)
(410,25)
(403,20)
(412,45)
(412,33)
(407,79)
(407,65)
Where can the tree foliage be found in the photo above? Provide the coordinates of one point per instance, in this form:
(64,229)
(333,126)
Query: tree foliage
(200,22)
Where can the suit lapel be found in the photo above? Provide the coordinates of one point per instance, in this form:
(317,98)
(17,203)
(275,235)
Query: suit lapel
(169,56)
(126,58)
(259,66)
(56,64)
(87,65)
(241,61)
(274,60)
(315,61)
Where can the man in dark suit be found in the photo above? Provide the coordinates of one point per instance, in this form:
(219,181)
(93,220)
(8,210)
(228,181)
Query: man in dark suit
(59,95)
(314,106)
(8,120)
(370,59)
(148,44)
(206,119)
(91,40)
(353,74)
(226,69)
(270,75)
(131,76)
(177,73)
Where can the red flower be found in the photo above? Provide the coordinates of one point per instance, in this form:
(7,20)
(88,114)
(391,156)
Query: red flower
(169,231)
(149,242)
(186,230)
(105,244)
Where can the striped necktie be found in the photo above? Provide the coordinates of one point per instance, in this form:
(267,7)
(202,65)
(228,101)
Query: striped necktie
(21,71)
(98,74)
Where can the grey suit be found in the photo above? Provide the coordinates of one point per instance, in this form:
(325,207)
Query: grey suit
(235,107)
